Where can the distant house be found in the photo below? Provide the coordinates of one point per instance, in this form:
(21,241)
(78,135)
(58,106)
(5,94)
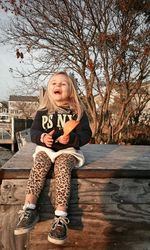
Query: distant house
(22,106)
(3,107)
(146,86)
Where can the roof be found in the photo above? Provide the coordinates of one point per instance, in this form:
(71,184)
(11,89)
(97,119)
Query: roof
(4,103)
(23,98)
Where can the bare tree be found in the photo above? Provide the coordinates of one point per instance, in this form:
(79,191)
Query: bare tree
(105,44)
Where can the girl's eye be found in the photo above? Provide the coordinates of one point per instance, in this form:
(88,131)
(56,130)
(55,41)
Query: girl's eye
(64,83)
(60,84)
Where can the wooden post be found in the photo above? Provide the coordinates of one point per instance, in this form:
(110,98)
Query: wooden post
(21,241)
(12,134)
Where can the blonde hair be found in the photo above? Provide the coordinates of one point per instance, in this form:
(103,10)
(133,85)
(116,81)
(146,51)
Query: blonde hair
(74,103)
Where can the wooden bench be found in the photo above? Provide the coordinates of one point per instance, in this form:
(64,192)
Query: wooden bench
(109,206)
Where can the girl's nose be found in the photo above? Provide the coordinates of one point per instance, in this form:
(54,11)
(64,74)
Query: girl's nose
(58,84)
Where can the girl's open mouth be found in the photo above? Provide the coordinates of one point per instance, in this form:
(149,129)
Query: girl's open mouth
(57,92)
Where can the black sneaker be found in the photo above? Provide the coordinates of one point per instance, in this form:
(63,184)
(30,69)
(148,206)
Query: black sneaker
(58,232)
(27,219)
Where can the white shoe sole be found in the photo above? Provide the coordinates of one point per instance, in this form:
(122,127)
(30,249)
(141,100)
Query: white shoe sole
(19,231)
(56,241)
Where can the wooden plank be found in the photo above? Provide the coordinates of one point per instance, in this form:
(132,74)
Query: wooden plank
(6,141)
(84,191)
(134,213)
(109,213)
(103,161)
(106,227)
(21,241)
(102,235)
(8,220)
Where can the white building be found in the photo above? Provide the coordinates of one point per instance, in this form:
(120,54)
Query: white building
(22,106)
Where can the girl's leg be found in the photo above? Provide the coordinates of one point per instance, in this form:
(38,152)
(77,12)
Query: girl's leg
(62,169)
(41,166)
(29,215)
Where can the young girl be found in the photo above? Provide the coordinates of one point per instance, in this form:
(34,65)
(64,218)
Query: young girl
(60,104)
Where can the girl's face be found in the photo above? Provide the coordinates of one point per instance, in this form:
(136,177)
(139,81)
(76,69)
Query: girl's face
(59,89)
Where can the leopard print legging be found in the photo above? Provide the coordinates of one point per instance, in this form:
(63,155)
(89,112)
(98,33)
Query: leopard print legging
(63,166)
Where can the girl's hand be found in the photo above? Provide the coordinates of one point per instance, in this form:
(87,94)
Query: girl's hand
(48,140)
(63,139)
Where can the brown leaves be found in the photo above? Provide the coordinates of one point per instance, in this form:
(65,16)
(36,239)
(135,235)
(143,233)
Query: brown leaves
(90,64)
(146,51)
(102,37)
(107,38)
(123,41)
(19,54)
(123,5)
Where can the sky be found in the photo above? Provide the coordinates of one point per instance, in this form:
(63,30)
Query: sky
(7,60)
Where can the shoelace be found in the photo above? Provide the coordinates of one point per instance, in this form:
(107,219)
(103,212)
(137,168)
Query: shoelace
(23,214)
(60,221)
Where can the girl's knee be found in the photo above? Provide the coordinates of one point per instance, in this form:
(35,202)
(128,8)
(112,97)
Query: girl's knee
(42,163)
(65,158)
(64,162)
(42,156)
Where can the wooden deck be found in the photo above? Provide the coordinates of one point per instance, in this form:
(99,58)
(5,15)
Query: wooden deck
(6,141)
(109,206)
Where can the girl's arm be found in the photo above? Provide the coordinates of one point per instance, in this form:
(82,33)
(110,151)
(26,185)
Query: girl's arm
(36,130)
(81,134)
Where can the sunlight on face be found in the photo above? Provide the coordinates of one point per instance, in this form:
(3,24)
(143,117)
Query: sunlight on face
(59,89)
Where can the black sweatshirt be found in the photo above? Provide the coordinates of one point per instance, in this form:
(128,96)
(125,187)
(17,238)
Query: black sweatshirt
(45,122)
